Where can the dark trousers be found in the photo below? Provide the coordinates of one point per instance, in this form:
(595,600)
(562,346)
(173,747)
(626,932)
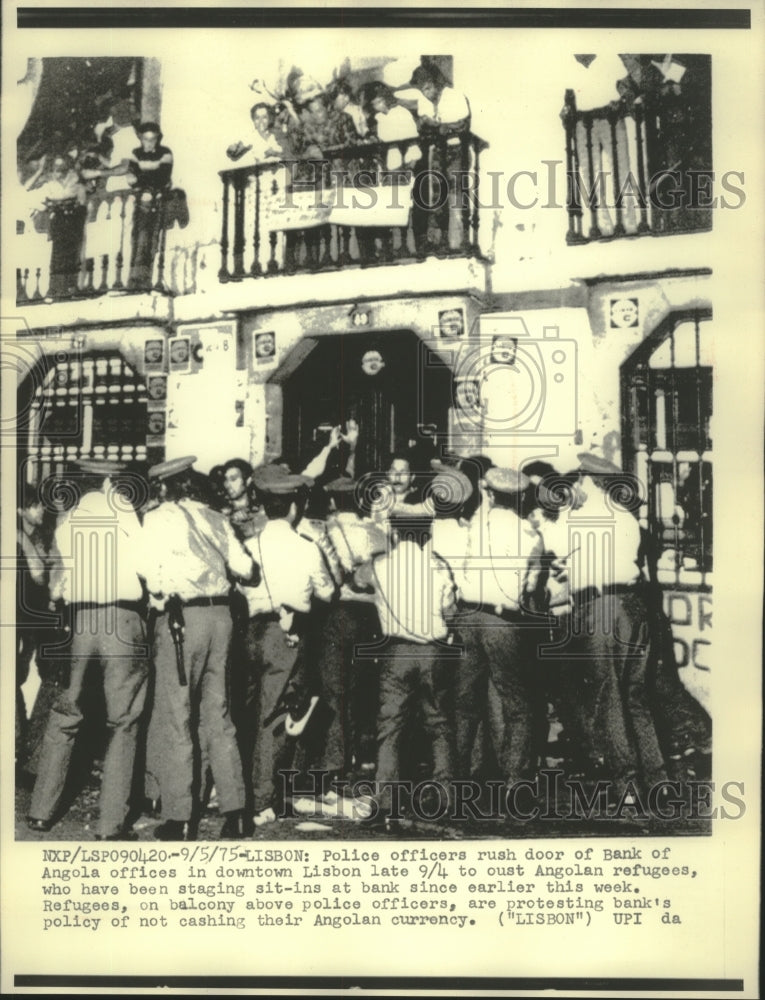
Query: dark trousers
(411,674)
(67,228)
(270,661)
(147,227)
(501,651)
(603,685)
(187,719)
(115,639)
(347,684)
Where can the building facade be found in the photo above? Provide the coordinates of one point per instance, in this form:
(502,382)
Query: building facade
(543,313)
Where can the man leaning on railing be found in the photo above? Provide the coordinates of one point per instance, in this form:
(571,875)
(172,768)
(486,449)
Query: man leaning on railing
(149,171)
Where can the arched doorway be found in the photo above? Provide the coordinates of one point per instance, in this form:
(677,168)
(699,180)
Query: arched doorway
(396,389)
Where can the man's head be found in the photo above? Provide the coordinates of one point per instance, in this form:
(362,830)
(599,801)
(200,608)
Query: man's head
(342,95)
(288,506)
(381,98)
(317,108)
(506,488)
(262,117)
(235,477)
(32,509)
(400,476)
(429,81)
(60,167)
(150,136)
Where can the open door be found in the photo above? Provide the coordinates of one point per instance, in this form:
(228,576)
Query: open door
(398,397)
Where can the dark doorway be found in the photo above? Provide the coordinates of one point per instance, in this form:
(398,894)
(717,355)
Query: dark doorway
(396,389)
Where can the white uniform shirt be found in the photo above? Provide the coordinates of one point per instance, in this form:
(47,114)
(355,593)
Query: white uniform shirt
(599,541)
(393,126)
(187,549)
(502,550)
(292,571)
(99,545)
(413,591)
(451,108)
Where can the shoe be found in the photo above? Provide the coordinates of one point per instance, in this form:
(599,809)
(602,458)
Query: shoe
(334,806)
(233,827)
(263,817)
(39,825)
(120,835)
(302,806)
(174,829)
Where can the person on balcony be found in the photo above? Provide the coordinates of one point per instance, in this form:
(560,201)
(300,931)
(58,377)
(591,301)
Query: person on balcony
(344,102)
(443,116)
(393,123)
(149,171)
(61,198)
(265,143)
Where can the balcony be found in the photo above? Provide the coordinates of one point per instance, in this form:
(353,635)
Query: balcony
(115,243)
(634,169)
(360,206)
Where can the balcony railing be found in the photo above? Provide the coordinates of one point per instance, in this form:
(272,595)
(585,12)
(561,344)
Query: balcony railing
(634,169)
(366,204)
(114,243)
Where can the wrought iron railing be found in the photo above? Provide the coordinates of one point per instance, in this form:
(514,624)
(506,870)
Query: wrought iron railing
(366,204)
(634,168)
(114,243)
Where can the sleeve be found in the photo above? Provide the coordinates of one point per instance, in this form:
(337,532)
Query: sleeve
(447,586)
(322,583)
(238,558)
(60,551)
(165,169)
(149,566)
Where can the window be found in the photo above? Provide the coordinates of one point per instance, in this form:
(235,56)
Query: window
(667,434)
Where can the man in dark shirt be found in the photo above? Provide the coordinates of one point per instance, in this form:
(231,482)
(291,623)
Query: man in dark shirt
(149,170)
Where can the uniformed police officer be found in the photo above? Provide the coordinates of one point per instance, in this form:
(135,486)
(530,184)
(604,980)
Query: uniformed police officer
(293,577)
(609,639)
(495,580)
(106,597)
(190,550)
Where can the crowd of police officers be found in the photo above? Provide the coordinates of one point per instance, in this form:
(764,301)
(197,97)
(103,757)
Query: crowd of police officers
(416,628)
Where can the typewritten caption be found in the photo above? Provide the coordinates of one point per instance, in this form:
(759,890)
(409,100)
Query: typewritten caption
(87,889)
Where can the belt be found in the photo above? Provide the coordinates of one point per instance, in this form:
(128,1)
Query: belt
(207,602)
(138,606)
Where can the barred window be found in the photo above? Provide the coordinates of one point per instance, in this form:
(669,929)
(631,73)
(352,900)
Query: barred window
(667,434)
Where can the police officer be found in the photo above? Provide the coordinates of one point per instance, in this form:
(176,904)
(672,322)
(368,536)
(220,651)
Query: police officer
(347,669)
(414,592)
(610,627)
(293,577)
(190,550)
(106,598)
(499,636)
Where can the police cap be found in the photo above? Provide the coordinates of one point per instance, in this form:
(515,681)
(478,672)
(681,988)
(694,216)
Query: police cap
(163,470)
(595,465)
(506,480)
